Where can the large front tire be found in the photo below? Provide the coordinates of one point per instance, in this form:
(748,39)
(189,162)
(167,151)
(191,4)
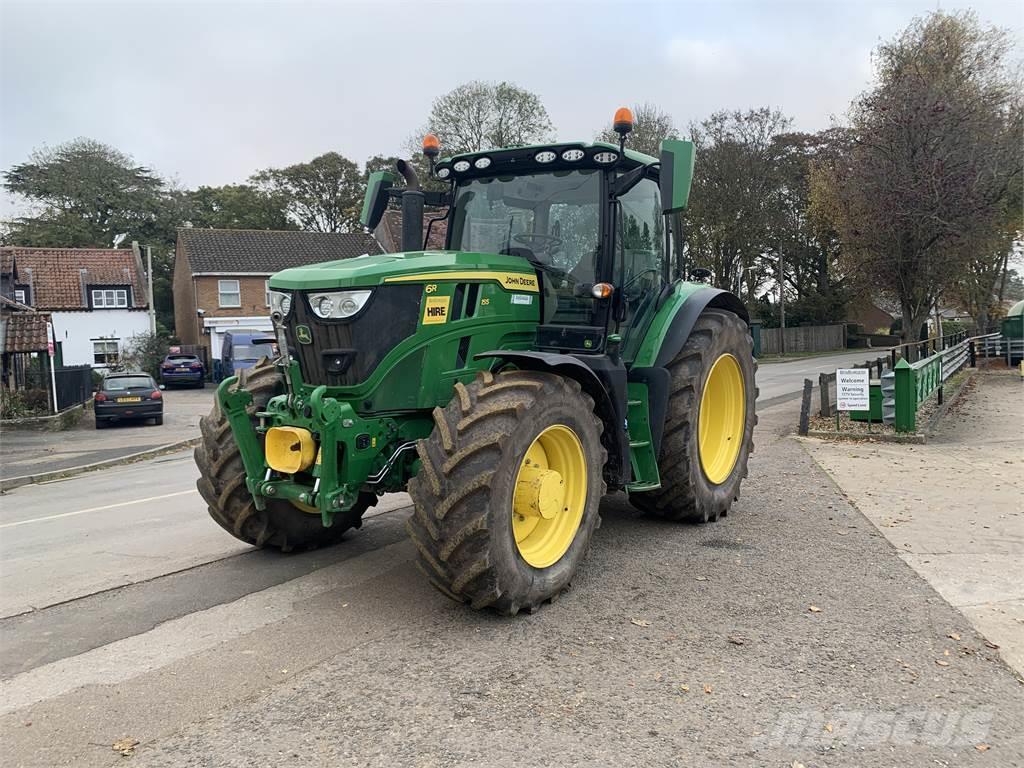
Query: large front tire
(507,498)
(702,464)
(222,482)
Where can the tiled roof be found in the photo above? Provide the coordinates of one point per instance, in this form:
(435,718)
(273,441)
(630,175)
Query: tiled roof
(238,251)
(26,332)
(58,277)
(14,306)
(389,231)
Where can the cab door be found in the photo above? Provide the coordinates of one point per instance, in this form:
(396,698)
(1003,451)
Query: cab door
(642,261)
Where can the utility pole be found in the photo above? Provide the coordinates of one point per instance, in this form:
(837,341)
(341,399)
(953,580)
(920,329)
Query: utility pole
(149,279)
(149,285)
(782,302)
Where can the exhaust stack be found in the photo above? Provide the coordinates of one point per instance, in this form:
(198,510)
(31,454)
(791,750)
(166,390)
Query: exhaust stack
(412,209)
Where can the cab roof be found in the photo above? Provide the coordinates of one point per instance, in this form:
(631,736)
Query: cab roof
(522,159)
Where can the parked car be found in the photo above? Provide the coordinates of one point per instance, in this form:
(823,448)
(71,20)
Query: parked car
(181,368)
(128,397)
(241,350)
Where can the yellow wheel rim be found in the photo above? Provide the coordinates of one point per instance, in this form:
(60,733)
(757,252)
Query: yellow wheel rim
(550,496)
(723,410)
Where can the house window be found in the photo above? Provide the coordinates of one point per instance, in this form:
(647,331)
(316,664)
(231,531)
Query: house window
(19,295)
(109,298)
(228,293)
(105,352)
(266,291)
(23,294)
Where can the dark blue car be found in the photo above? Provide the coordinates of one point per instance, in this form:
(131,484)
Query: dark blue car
(242,349)
(181,368)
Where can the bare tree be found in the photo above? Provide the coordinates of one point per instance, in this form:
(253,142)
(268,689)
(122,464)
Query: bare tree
(478,115)
(933,162)
(651,126)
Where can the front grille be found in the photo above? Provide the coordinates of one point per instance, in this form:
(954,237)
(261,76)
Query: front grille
(390,316)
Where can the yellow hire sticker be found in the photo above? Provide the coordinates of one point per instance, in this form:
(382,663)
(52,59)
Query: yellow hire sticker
(436,310)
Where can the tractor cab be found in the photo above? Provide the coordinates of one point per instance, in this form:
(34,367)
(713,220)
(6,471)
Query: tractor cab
(597,223)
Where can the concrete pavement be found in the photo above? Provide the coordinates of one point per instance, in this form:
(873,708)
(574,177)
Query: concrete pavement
(954,508)
(791,631)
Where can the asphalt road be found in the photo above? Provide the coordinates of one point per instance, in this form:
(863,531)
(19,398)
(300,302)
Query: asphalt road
(29,453)
(790,631)
(779,379)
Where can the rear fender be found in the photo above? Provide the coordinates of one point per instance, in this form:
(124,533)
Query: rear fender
(675,319)
(607,387)
(665,338)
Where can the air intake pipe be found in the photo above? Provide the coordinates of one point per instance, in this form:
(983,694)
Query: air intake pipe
(412,209)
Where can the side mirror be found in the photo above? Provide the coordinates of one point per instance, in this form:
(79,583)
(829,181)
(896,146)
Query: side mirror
(376,200)
(675,175)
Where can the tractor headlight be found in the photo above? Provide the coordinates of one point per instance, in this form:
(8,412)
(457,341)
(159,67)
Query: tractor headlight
(338,305)
(280,302)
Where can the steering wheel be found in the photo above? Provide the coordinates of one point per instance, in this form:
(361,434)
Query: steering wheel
(539,243)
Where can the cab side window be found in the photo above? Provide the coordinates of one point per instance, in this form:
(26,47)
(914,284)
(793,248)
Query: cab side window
(642,262)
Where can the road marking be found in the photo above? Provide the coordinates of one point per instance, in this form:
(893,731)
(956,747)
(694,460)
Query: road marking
(99,509)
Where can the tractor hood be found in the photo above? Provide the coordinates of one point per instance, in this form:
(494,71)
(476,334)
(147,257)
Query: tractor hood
(514,272)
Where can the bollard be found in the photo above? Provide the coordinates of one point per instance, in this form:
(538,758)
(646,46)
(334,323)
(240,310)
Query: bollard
(974,354)
(805,407)
(906,397)
(826,408)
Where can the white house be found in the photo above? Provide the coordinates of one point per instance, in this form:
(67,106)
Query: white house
(96,297)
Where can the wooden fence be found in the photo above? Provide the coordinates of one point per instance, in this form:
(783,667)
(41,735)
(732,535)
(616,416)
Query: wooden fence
(811,338)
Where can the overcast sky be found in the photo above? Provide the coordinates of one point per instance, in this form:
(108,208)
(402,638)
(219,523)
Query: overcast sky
(208,92)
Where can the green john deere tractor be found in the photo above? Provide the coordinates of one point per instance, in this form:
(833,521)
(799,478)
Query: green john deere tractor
(552,352)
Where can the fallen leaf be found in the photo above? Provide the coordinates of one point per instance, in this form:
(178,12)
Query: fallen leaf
(685,688)
(737,640)
(702,578)
(796,764)
(990,644)
(125,746)
(640,622)
(708,689)
(814,609)
(953,636)
(983,747)
(946,652)
(828,727)
(942,663)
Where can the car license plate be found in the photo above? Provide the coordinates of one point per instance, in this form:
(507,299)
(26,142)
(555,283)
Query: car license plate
(129,399)
(181,370)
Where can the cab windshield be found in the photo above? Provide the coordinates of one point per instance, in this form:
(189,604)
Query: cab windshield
(551,219)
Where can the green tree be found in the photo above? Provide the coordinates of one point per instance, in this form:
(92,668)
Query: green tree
(323,195)
(932,164)
(238,206)
(735,200)
(813,279)
(651,126)
(86,193)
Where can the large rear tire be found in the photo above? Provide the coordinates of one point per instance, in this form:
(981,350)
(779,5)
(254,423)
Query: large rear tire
(698,487)
(222,482)
(507,498)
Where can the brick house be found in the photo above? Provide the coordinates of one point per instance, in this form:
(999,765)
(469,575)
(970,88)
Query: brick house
(96,298)
(221,276)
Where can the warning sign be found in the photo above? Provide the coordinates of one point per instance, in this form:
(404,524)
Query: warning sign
(853,387)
